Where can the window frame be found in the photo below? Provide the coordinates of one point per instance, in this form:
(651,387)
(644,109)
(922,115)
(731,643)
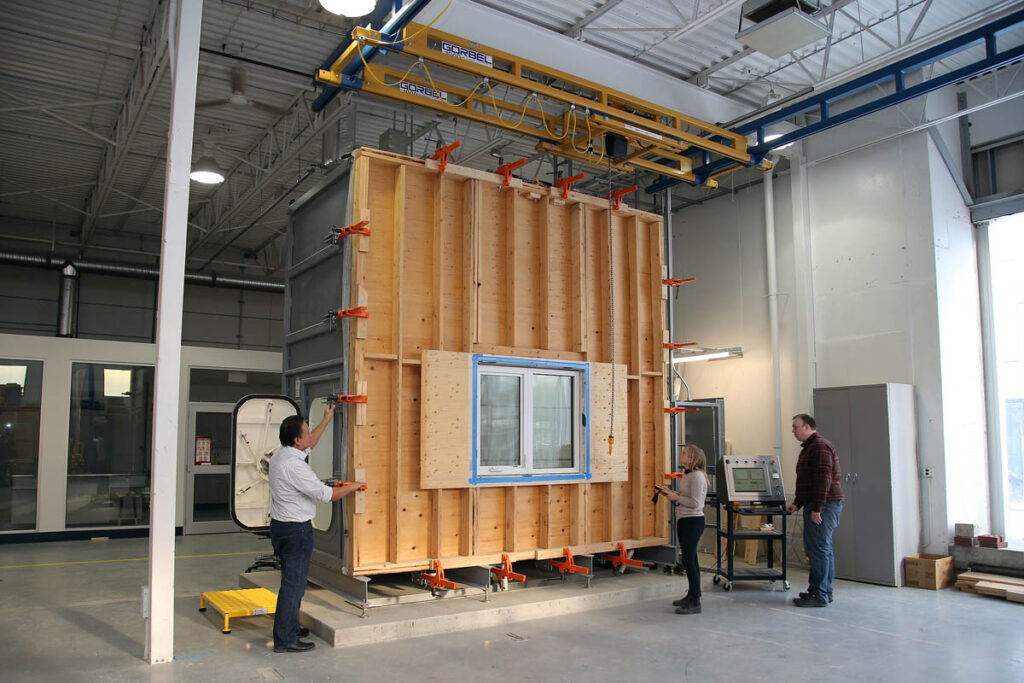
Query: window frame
(526,368)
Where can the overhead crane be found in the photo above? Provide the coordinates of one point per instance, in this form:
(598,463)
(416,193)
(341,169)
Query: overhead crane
(569,116)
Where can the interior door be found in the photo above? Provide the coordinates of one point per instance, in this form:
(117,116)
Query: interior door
(208,469)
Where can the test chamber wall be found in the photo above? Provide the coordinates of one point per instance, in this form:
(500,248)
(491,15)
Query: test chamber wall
(460,265)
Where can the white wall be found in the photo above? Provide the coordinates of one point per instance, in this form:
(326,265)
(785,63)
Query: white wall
(58,355)
(875,260)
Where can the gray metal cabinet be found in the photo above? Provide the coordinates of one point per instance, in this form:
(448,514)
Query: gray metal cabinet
(873,430)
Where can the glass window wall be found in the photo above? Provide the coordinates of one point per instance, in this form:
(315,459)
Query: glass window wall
(21,385)
(110,433)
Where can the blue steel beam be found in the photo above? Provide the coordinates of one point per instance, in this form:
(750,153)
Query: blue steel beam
(895,72)
(351,75)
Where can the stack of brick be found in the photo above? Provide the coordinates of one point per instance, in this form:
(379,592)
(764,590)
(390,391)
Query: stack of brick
(991,541)
(963,534)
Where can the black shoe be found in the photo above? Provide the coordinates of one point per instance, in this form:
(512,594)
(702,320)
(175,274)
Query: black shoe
(297,646)
(804,596)
(303,632)
(692,608)
(811,601)
(682,602)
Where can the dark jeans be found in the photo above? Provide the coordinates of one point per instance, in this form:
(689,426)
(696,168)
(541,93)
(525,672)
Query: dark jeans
(818,546)
(688,531)
(293,545)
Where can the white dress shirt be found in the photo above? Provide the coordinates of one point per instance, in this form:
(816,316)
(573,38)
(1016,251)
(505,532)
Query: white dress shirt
(294,488)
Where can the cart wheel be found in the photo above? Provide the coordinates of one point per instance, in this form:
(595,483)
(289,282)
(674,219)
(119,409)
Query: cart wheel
(728,586)
(785,584)
(717,579)
(202,609)
(226,632)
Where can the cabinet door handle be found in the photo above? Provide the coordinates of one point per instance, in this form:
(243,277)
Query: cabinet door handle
(855,477)
(847,477)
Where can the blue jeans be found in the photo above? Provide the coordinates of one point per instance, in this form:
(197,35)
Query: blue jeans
(818,546)
(293,545)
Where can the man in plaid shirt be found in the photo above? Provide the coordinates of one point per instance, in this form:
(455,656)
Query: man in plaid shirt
(820,494)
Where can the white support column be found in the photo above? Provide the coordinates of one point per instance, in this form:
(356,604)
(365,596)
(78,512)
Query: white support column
(805,359)
(185,67)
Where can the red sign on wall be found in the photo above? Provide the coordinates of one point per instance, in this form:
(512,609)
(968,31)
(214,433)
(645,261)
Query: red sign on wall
(204,450)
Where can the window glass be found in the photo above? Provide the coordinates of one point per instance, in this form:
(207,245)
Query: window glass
(530,419)
(552,421)
(500,420)
(21,384)
(110,432)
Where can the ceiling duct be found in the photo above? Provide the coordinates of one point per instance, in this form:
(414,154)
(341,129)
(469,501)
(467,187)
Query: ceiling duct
(780,26)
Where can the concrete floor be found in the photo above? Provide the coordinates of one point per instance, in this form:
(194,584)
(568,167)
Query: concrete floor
(73,614)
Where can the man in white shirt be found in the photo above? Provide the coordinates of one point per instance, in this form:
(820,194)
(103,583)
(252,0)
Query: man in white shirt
(294,492)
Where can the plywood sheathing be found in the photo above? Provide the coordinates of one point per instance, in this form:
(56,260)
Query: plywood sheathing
(457,263)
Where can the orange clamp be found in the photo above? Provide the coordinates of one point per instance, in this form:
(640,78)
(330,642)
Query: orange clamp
(339,484)
(436,579)
(348,398)
(568,565)
(566,183)
(622,558)
(506,171)
(675,475)
(672,345)
(354,229)
(675,283)
(505,571)
(357,312)
(680,410)
(617,196)
(441,153)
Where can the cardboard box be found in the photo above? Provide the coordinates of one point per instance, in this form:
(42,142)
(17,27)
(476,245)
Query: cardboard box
(925,570)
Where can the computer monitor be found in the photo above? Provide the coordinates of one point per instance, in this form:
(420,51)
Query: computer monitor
(751,479)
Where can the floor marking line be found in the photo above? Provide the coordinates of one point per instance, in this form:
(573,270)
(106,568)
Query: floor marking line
(123,559)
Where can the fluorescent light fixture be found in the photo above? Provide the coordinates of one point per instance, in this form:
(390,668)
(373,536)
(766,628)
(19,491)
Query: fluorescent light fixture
(348,8)
(207,172)
(776,136)
(689,355)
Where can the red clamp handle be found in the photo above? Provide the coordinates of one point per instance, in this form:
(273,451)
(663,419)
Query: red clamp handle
(617,195)
(356,312)
(566,183)
(354,229)
(441,153)
(675,283)
(339,484)
(505,571)
(436,579)
(348,398)
(675,475)
(673,345)
(506,171)
(681,410)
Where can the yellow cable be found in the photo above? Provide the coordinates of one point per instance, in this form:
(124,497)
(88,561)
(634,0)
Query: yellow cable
(366,68)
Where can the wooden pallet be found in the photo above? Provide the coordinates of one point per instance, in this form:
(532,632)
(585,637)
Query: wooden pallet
(1007,587)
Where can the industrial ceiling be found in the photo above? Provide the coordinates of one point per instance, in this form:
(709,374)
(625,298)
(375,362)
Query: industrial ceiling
(86,89)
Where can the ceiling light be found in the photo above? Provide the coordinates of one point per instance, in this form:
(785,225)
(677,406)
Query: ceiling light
(688,355)
(207,171)
(348,8)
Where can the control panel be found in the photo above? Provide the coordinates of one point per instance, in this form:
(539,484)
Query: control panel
(751,479)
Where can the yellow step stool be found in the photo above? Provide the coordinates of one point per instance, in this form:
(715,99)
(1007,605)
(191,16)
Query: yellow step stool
(241,603)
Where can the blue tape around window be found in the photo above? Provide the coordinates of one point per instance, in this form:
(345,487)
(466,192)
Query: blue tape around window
(530,362)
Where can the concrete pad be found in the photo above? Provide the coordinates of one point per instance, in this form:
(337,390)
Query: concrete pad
(334,620)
